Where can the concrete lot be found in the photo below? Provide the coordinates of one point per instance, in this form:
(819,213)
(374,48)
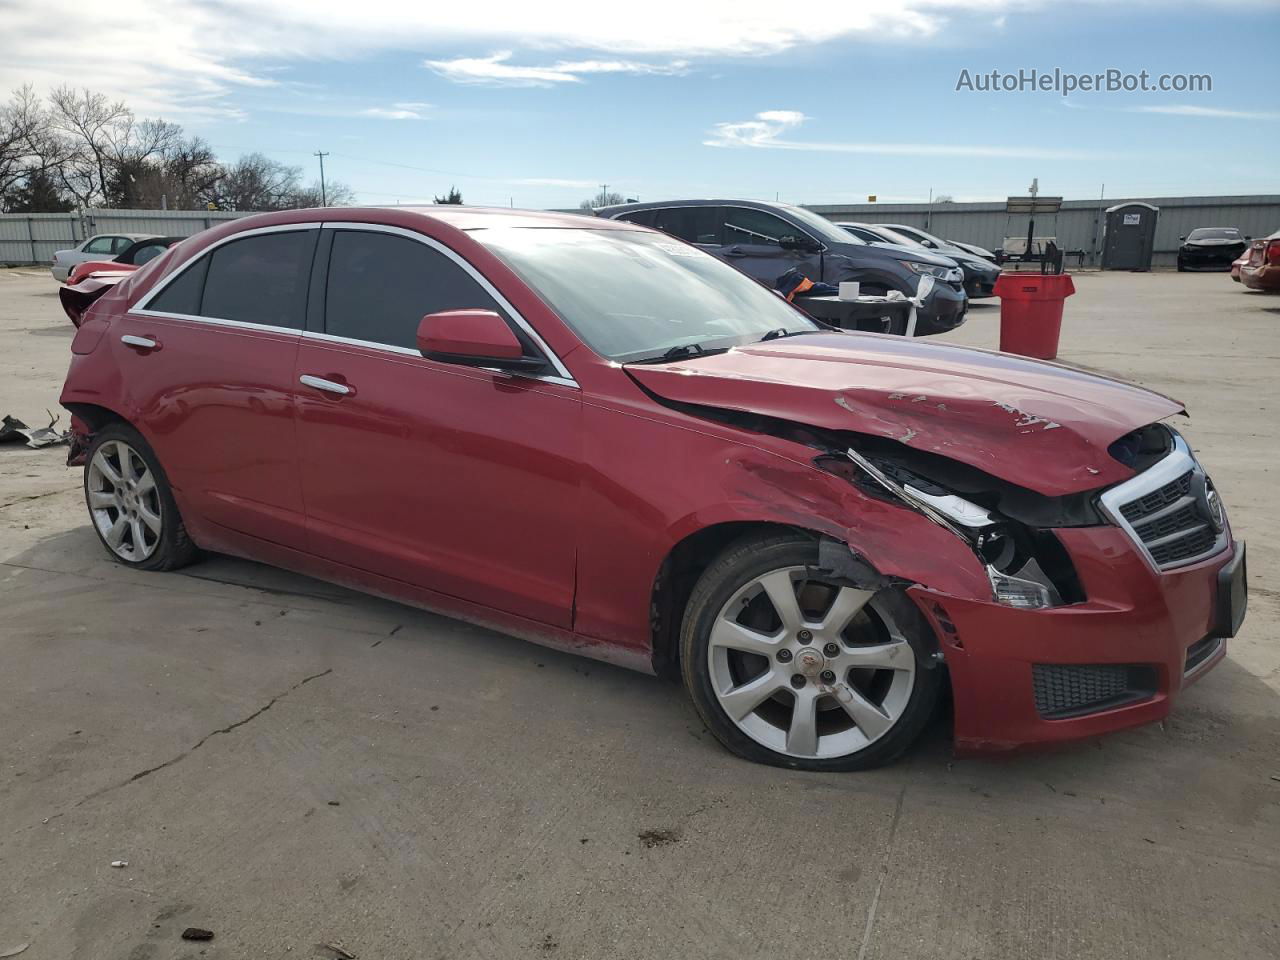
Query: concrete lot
(293,765)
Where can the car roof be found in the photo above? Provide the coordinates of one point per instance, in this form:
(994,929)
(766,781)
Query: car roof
(452,215)
(617,208)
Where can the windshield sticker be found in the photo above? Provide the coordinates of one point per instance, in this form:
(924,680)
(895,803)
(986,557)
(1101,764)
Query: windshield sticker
(678,249)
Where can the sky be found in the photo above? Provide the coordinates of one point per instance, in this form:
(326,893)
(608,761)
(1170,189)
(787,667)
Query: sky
(539,104)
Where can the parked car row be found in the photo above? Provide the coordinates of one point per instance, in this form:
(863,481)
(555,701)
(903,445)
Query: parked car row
(768,240)
(980,274)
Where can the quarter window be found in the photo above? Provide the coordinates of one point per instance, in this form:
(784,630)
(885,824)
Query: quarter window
(381,285)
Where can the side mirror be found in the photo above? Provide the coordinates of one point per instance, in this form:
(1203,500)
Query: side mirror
(1247,237)
(473,338)
(1182,238)
(803,244)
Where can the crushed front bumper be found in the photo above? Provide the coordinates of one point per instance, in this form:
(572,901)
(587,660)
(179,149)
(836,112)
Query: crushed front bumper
(1027,677)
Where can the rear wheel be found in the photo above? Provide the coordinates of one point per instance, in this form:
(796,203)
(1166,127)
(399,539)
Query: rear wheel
(789,668)
(131,504)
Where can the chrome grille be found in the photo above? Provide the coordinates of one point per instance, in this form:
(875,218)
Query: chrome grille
(1170,510)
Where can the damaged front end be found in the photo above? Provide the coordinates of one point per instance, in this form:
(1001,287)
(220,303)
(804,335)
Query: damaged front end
(1024,561)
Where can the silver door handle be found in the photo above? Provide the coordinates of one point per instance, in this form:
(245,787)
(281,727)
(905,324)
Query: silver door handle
(328,386)
(145,342)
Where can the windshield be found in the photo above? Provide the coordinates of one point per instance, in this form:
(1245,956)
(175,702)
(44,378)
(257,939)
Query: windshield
(630,295)
(889,235)
(1215,233)
(821,227)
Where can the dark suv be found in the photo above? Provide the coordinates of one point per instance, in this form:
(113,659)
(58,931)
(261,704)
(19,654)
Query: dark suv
(765,240)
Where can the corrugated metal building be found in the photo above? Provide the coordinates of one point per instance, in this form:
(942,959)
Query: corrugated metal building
(1079,224)
(33,237)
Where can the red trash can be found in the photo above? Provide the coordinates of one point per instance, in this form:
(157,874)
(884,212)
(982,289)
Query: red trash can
(1031,312)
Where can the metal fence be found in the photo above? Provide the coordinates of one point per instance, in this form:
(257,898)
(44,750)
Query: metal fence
(27,238)
(1079,224)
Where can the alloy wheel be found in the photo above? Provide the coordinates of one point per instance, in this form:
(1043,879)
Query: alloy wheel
(124,501)
(807,668)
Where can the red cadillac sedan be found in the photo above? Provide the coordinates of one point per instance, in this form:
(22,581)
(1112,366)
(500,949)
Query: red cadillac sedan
(595,436)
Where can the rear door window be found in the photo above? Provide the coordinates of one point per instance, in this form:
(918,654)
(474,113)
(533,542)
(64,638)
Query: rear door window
(260,279)
(381,285)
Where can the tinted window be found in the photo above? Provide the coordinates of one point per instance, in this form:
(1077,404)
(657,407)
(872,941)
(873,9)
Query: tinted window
(260,279)
(742,225)
(182,295)
(691,224)
(146,252)
(380,286)
(642,217)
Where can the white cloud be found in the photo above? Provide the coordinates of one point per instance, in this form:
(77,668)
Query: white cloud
(399,111)
(767,129)
(171,56)
(1190,110)
(494,70)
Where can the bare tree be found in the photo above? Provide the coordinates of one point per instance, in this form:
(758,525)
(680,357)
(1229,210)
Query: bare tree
(96,128)
(31,151)
(605,198)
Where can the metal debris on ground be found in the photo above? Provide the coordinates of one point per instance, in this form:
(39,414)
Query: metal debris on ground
(13,430)
(340,952)
(14,951)
(119,863)
(197,933)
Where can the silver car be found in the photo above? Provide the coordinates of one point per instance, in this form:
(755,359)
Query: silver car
(101,246)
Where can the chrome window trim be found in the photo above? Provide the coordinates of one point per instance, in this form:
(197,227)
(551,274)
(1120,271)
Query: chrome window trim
(563,376)
(1177,462)
(141,306)
(219,322)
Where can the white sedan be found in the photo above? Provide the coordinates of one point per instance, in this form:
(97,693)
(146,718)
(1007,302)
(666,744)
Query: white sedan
(102,246)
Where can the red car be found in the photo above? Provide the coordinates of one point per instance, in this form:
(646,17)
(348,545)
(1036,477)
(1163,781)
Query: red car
(1260,265)
(595,436)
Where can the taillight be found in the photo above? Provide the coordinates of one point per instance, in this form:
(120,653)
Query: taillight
(1273,252)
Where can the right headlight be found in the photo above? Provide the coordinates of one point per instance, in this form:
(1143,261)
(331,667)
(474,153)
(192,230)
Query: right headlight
(1006,548)
(927,269)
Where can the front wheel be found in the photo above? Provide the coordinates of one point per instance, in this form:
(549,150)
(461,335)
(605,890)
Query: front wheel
(131,504)
(790,668)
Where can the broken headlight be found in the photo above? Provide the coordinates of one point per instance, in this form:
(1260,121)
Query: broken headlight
(1010,551)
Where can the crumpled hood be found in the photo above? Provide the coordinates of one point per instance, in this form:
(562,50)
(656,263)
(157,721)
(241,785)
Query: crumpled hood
(1039,425)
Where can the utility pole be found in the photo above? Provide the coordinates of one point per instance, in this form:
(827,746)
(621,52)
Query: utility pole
(324,196)
(604,194)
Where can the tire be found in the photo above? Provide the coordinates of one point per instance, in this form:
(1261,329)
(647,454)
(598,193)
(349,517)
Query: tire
(740,653)
(133,506)
(1181,268)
